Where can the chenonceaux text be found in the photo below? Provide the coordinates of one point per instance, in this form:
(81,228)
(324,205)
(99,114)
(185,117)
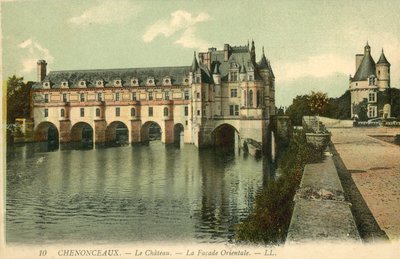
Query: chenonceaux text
(88,252)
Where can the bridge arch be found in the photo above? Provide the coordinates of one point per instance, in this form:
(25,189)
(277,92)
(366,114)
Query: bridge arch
(178,134)
(46,131)
(150,130)
(225,135)
(82,132)
(117,132)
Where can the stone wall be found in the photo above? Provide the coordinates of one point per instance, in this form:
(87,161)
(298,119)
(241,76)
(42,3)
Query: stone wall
(321,212)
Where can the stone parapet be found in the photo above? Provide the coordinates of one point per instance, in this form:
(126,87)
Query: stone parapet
(321,212)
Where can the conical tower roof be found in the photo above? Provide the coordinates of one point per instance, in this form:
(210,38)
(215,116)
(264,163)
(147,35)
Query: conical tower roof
(195,64)
(366,68)
(263,64)
(216,69)
(382,59)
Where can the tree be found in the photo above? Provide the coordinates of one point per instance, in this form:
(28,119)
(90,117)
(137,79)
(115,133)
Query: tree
(298,109)
(18,104)
(317,102)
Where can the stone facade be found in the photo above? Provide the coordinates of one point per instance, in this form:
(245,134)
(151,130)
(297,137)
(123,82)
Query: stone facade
(368,80)
(221,88)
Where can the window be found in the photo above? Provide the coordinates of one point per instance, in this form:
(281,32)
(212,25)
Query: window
(133,112)
(258,98)
(62,113)
(100,97)
(97,112)
(198,112)
(233,92)
(46,112)
(165,111)
(150,96)
(251,98)
(372,97)
(82,112)
(117,111)
(234,76)
(166,96)
(150,111)
(46,98)
(198,95)
(250,78)
(233,110)
(372,111)
(186,111)
(64,97)
(186,95)
(117,96)
(371,80)
(204,112)
(134,96)
(82,97)
(198,79)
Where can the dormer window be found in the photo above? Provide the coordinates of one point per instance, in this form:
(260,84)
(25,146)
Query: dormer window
(46,85)
(371,80)
(117,83)
(64,84)
(186,80)
(150,81)
(99,83)
(167,81)
(82,83)
(134,82)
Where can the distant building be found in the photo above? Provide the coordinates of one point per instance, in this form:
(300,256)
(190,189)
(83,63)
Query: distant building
(224,92)
(369,79)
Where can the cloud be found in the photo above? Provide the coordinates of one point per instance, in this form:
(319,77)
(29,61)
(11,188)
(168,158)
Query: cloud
(180,21)
(32,51)
(318,66)
(117,11)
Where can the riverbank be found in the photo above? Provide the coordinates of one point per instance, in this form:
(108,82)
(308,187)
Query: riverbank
(370,173)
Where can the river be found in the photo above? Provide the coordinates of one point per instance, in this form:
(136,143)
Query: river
(135,193)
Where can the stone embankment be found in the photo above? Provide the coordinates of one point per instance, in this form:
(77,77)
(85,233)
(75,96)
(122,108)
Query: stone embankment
(321,212)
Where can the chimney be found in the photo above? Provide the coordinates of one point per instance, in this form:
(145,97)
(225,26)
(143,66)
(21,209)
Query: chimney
(359,58)
(226,52)
(41,70)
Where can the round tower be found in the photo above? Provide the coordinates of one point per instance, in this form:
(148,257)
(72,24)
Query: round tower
(383,72)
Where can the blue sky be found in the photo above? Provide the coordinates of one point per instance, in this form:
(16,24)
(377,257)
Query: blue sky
(311,44)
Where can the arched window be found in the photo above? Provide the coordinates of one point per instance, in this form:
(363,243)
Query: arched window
(133,112)
(62,112)
(244,98)
(258,98)
(165,111)
(251,98)
(97,112)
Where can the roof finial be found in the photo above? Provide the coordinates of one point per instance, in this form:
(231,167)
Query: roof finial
(263,50)
(382,50)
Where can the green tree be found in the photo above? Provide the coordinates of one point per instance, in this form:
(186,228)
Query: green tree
(298,109)
(18,104)
(317,102)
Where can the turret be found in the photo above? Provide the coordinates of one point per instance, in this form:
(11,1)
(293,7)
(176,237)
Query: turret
(195,74)
(41,70)
(383,72)
(243,72)
(216,74)
(253,52)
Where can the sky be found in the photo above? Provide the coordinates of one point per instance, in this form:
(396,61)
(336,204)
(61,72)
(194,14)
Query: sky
(311,44)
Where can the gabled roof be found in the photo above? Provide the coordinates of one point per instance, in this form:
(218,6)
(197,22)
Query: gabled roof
(73,77)
(366,68)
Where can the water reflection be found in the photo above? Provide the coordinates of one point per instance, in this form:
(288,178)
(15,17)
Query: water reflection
(131,193)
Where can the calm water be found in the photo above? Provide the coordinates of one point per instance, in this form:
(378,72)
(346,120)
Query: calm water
(127,194)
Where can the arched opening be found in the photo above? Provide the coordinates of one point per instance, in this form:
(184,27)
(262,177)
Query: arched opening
(225,135)
(47,132)
(150,131)
(178,134)
(117,133)
(258,98)
(82,132)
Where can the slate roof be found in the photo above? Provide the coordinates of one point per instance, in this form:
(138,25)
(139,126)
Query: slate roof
(382,59)
(239,55)
(366,68)
(73,77)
